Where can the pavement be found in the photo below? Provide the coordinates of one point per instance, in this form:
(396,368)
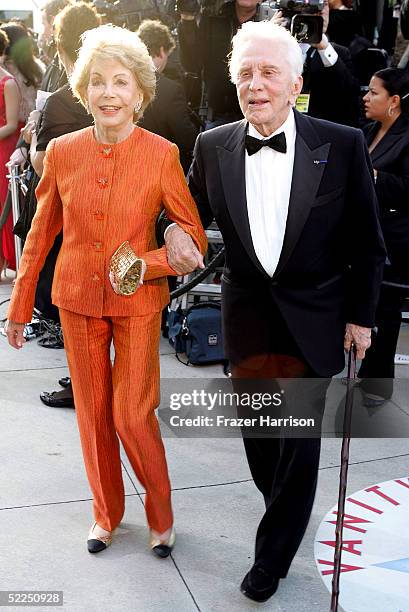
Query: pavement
(46,505)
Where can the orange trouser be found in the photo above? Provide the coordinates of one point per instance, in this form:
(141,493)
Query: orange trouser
(119,400)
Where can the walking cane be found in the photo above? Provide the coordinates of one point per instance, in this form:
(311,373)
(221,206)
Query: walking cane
(343,476)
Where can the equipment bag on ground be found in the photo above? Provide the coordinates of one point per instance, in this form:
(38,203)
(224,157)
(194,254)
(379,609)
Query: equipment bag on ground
(198,333)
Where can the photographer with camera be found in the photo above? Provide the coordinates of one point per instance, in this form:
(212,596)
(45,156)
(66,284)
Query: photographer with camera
(168,114)
(205,33)
(330,89)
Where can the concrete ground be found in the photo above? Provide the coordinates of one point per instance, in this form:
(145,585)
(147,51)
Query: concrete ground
(46,506)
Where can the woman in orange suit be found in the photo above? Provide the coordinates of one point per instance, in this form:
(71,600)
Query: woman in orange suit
(104,185)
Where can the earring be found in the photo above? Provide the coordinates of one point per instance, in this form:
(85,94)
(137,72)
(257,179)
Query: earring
(138,107)
(390,111)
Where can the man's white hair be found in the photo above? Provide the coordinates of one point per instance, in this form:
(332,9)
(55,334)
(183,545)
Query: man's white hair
(271,33)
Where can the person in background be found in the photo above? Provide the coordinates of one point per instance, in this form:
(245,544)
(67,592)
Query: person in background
(62,114)
(205,41)
(62,111)
(387,105)
(328,78)
(22,64)
(380,22)
(344,23)
(168,115)
(9,132)
(54,76)
(19,61)
(103,186)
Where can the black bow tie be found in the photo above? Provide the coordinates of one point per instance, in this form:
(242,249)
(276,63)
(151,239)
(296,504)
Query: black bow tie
(277,142)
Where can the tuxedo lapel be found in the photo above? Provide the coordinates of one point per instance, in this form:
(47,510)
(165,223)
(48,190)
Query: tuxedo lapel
(310,160)
(233,175)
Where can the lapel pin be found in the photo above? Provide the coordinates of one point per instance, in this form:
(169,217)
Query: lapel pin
(320,161)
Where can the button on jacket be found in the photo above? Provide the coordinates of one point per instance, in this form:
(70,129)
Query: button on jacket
(102,195)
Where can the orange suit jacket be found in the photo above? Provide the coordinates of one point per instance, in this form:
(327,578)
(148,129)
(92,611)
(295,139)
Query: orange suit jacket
(102,195)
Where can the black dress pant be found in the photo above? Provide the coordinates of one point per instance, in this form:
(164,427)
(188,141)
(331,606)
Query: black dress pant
(284,469)
(378,368)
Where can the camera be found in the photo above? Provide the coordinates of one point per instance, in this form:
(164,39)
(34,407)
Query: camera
(301,18)
(126,13)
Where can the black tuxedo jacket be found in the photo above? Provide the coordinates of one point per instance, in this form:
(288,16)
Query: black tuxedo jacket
(331,263)
(168,116)
(390,158)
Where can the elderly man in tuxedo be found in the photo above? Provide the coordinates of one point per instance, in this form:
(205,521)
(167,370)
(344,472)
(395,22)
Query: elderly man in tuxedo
(294,199)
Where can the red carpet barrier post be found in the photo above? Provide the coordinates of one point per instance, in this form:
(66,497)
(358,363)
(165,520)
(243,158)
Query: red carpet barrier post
(14,180)
(343,477)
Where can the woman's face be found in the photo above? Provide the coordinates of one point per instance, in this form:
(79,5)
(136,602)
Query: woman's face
(377,101)
(112,94)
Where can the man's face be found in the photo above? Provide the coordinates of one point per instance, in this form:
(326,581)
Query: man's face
(265,86)
(45,35)
(325,15)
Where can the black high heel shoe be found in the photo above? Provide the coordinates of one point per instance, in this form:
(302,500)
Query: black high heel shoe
(162,548)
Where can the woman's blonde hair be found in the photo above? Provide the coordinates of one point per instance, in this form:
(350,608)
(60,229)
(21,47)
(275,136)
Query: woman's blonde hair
(109,42)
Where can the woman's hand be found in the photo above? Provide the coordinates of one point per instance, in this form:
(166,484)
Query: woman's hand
(115,286)
(14,332)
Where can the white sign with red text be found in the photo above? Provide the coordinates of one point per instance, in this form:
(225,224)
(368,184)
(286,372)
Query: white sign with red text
(375,551)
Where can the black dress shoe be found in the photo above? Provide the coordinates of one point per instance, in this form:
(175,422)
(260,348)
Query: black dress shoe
(373,401)
(57,399)
(258,584)
(65,382)
(51,342)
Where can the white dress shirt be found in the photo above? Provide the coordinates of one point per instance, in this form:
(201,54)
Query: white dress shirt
(268,185)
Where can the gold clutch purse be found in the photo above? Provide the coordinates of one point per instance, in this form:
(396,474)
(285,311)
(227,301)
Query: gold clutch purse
(126,269)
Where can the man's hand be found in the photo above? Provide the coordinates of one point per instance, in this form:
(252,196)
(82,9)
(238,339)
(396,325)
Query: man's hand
(323,44)
(183,255)
(30,127)
(14,332)
(360,336)
(278,19)
(28,131)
